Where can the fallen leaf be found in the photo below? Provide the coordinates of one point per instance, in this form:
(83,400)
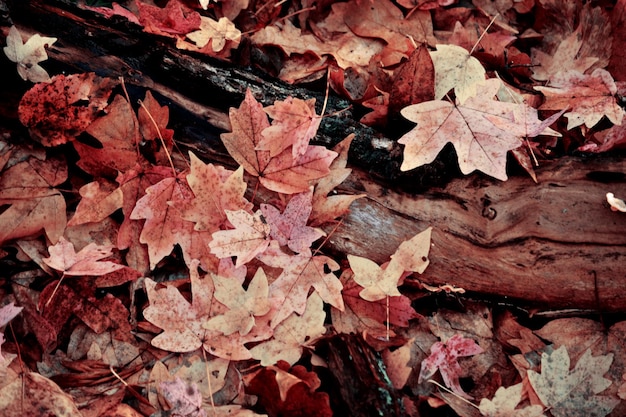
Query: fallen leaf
(327,207)
(243,305)
(96,203)
(184,399)
(377,282)
(444,357)
(281,173)
(57,112)
(215,190)
(249,238)
(299,273)
(7,313)
(215,31)
(30,393)
(289,227)
(590,97)
(35,205)
(414,82)
(88,261)
(456,69)
(478,142)
(572,393)
(504,403)
(294,124)
(617,204)
(174,19)
(293,334)
(28,55)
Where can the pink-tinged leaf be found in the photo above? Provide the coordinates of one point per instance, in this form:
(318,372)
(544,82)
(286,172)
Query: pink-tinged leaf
(7,313)
(185,399)
(479,144)
(285,175)
(216,189)
(444,357)
(300,273)
(589,97)
(87,261)
(250,237)
(164,226)
(292,334)
(294,124)
(289,227)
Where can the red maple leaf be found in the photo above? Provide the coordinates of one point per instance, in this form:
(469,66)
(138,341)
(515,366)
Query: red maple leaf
(444,357)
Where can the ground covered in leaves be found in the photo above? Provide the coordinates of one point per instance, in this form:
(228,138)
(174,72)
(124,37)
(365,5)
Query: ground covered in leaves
(140,280)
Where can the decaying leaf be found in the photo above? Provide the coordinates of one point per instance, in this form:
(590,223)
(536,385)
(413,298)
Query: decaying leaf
(575,392)
(444,357)
(504,404)
(88,261)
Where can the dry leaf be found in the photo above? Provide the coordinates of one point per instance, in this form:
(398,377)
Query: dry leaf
(573,393)
(28,55)
(456,68)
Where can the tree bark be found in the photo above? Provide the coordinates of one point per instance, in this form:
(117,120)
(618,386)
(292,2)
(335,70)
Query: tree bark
(554,244)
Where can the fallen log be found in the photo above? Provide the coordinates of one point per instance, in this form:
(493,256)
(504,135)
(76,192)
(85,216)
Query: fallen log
(554,244)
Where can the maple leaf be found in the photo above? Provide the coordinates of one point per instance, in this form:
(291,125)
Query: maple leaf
(7,313)
(292,334)
(456,68)
(478,142)
(185,399)
(164,227)
(281,173)
(573,393)
(590,97)
(96,203)
(28,55)
(377,282)
(87,261)
(285,390)
(216,190)
(34,204)
(243,305)
(250,237)
(182,321)
(347,49)
(57,112)
(414,82)
(565,58)
(617,204)
(327,208)
(361,316)
(45,398)
(299,274)
(119,136)
(174,19)
(444,357)
(382,19)
(294,124)
(218,32)
(289,227)
(504,402)
(153,119)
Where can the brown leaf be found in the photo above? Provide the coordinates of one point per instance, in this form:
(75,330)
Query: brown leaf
(414,82)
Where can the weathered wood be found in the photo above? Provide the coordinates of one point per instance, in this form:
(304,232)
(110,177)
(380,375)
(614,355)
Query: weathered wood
(554,244)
